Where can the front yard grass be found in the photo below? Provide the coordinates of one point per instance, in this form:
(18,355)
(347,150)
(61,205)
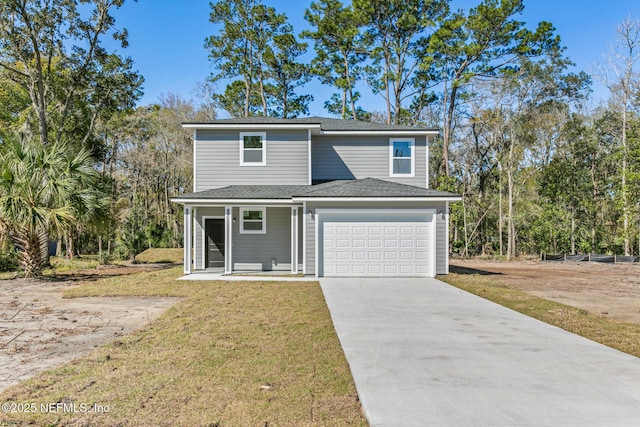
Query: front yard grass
(620,335)
(229,353)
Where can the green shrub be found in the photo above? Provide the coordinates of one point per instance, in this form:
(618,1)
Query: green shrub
(8,261)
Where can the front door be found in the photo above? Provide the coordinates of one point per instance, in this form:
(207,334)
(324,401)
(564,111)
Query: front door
(214,253)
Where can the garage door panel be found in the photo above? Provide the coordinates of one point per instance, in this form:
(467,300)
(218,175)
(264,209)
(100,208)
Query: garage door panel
(407,243)
(358,256)
(407,231)
(422,243)
(342,269)
(422,256)
(361,248)
(375,243)
(407,269)
(374,231)
(359,231)
(390,243)
(359,269)
(390,256)
(343,231)
(390,269)
(391,230)
(374,269)
(407,256)
(358,243)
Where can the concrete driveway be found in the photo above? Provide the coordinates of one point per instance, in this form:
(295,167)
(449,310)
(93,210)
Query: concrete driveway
(425,353)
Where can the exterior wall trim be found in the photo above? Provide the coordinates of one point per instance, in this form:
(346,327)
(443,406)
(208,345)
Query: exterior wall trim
(380,132)
(225,202)
(195,162)
(188,218)
(376,199)
(249,126)
(228,236)
(309,156)
(294,240)
(412,144)
(446,238)
(304,238)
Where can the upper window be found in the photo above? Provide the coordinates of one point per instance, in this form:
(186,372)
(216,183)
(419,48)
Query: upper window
(401,157)
(253,149)
(253,220)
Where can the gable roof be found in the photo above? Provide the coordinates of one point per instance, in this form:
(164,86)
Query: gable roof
(321,124)
(367,188)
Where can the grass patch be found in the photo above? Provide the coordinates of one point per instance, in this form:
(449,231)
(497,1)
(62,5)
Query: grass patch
(620,335)
(161,255)
(230,353)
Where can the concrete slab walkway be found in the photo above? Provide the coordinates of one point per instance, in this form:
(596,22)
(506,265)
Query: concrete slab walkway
(423,353)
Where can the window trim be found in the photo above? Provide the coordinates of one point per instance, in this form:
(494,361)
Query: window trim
(263,221)
(412,146)
(263,135)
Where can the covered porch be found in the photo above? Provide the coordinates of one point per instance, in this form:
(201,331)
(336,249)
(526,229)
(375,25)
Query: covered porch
(247,237)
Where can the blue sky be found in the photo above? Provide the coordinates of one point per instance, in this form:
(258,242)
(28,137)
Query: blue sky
(166,39)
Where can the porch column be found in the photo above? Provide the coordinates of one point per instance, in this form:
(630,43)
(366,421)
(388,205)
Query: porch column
(187,239)
(228,244)
(294,240)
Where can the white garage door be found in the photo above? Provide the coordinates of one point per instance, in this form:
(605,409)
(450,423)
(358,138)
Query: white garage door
(394,247)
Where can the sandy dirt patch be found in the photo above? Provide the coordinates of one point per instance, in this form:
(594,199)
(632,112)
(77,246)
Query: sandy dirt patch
(612,290)
(40,330)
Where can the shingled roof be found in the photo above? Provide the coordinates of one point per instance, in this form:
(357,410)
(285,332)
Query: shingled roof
(371,187)
(363,188)
(325,123)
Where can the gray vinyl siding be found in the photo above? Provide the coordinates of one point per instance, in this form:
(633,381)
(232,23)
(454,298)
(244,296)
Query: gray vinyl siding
(442,245)
(198,237)
(254,251)
(272,251)
(217,159)
(310,244)
(357,157)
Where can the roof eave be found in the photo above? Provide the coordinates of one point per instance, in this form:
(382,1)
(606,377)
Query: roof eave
(385,132)
(380,199)
(251,125)
(194,202)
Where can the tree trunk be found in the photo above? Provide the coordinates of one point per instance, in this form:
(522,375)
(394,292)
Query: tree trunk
(573,231)
(625,201)
(29,244)
(449,102)
(511,244)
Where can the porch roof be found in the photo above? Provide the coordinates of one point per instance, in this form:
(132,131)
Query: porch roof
(359,189)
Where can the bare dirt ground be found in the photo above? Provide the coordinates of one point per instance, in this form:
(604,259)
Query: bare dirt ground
(612,290)
(40,330)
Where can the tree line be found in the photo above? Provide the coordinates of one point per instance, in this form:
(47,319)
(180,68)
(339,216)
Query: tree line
(539,167)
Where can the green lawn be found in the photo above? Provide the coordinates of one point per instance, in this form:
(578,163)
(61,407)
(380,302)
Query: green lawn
(229,354)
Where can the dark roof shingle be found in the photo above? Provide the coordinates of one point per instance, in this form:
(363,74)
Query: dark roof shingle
(366,188)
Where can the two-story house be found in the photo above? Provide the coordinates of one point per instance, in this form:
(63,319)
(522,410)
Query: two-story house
(317,196)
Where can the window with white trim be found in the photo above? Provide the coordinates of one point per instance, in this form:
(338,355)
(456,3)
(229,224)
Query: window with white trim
(253,148)
(401,157)
(253,220)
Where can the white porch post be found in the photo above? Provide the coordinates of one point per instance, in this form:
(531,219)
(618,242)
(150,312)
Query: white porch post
(187,239)
(228,244)
(294,240)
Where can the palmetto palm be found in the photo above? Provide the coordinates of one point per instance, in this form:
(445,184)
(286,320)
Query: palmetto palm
(44,189)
